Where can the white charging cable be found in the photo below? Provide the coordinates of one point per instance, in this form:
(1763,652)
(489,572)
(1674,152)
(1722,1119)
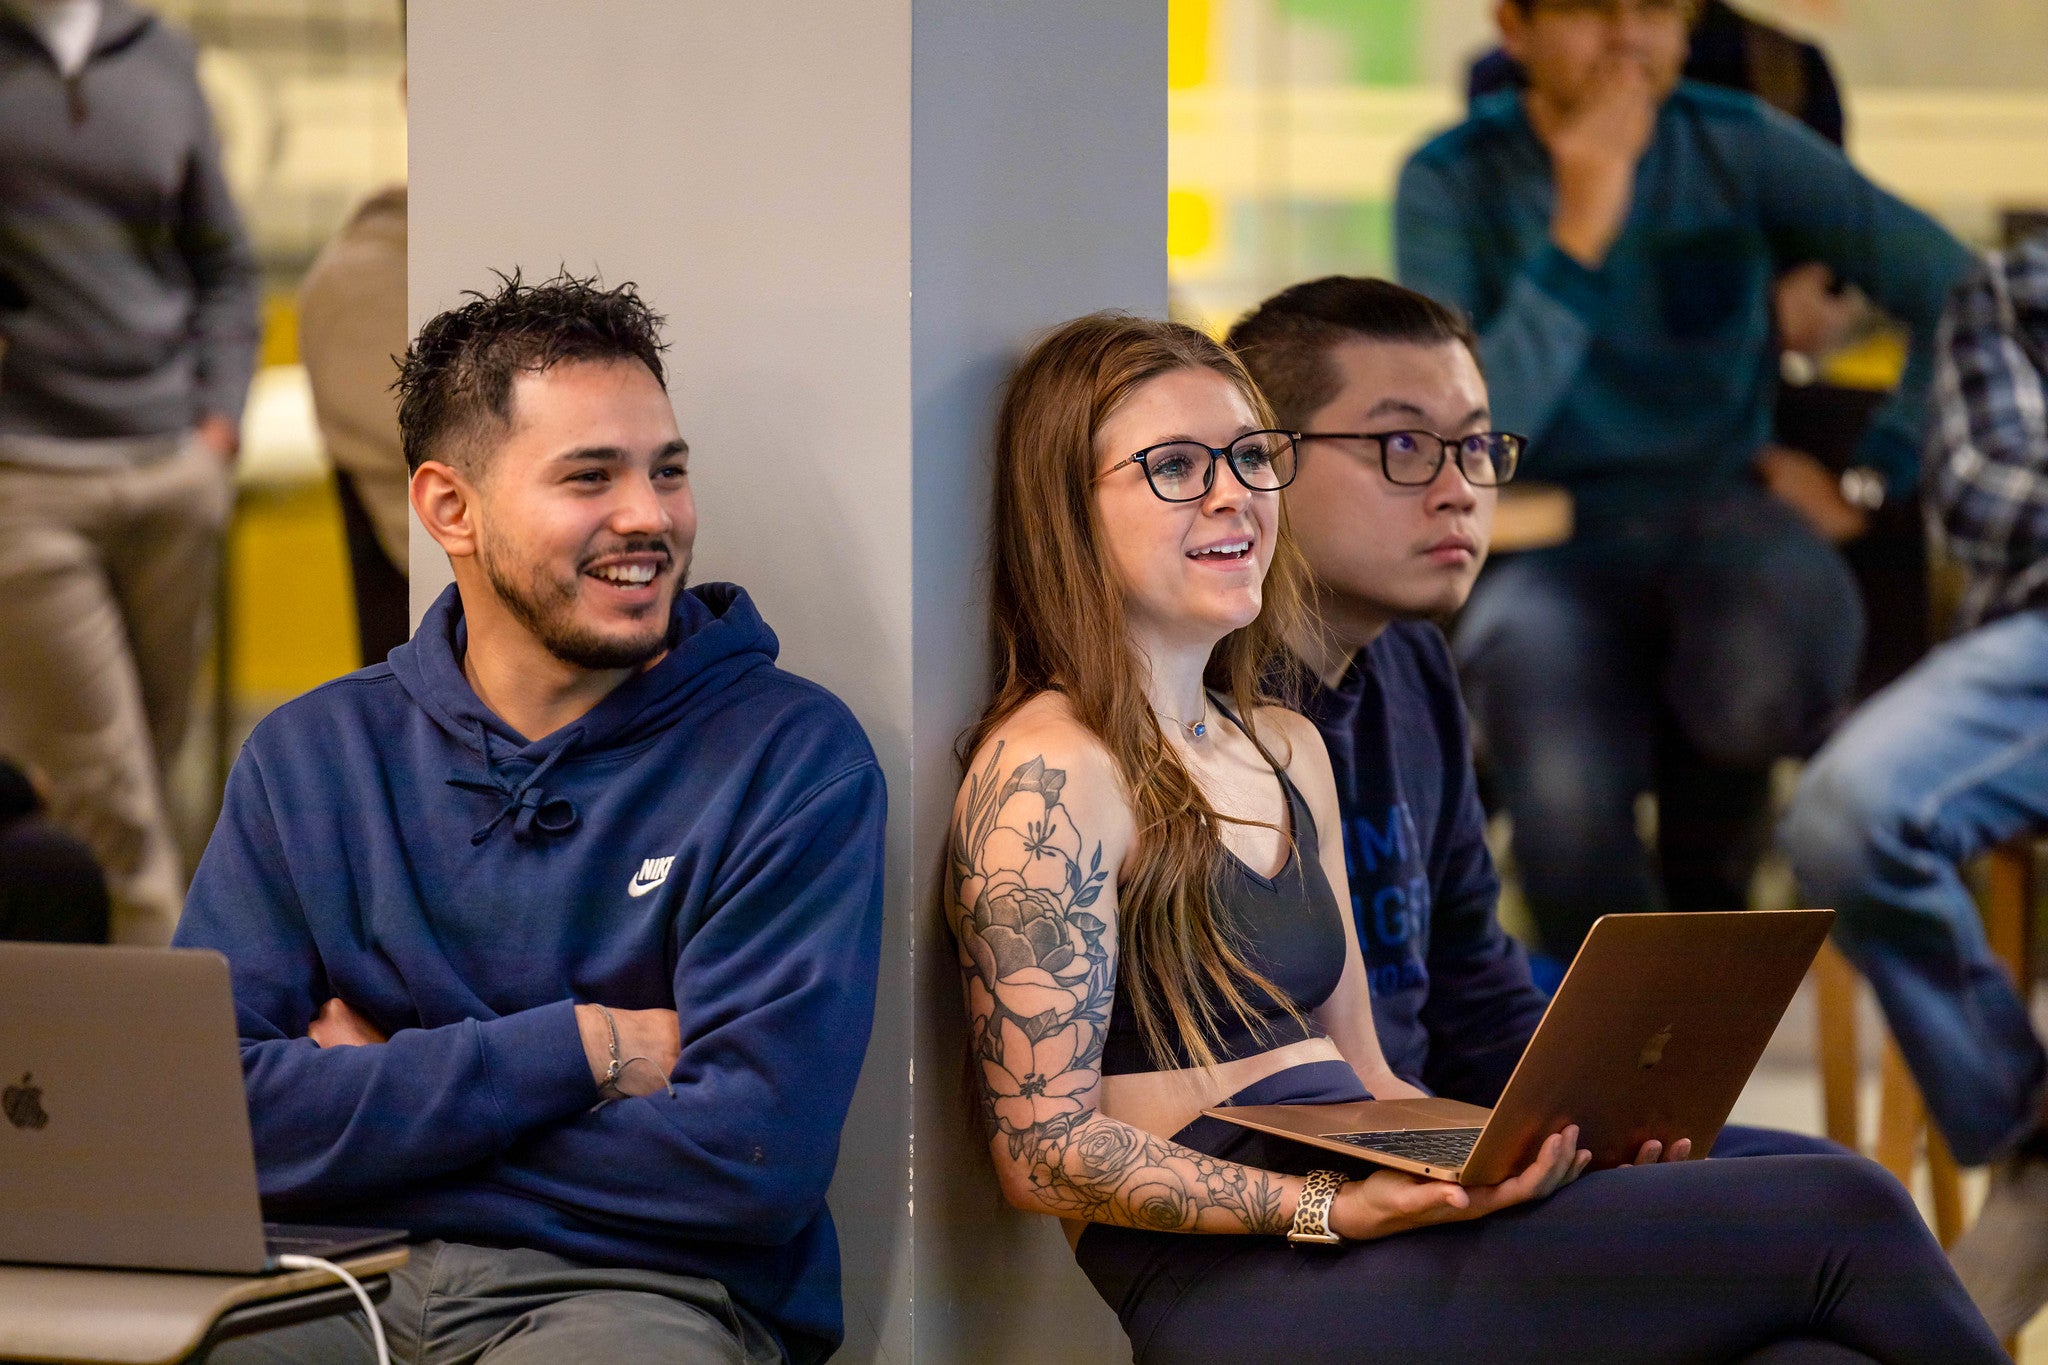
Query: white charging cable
(356,1286)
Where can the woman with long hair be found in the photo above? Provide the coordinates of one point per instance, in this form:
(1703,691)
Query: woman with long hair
(1145,887)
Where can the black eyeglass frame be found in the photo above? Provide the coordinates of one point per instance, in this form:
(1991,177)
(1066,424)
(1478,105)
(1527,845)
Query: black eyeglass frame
(1443,452)
(1215,453)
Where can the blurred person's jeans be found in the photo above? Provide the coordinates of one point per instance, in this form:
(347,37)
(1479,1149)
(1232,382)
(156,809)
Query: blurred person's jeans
(1947,762)
(106,575)
(1679,651)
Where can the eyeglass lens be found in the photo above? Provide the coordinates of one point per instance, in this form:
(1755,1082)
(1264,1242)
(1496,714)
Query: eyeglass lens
(1183,471)
(1485,458)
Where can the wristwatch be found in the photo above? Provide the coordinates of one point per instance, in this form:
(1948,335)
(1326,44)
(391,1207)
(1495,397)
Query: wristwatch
(1312,1214)
(1863,487)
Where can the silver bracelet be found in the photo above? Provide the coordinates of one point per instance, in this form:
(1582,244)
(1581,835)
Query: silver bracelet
(609,1087)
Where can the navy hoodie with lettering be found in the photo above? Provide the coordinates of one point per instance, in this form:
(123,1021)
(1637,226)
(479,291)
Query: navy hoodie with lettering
(708,838)
(1451,996)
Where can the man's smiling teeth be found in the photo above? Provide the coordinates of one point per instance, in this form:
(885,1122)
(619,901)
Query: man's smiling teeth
(1231,550)
(629,574)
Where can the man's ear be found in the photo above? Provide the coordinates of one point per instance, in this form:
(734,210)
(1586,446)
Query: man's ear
(446,503)
(1513,23)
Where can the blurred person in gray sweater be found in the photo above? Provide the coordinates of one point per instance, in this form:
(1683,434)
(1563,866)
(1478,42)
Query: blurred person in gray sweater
(124,362)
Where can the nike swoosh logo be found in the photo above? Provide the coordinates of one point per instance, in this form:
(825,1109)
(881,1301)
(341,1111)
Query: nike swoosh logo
(637,888)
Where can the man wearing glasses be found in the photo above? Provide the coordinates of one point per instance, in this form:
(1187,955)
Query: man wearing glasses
(1392,504)
(1613,232)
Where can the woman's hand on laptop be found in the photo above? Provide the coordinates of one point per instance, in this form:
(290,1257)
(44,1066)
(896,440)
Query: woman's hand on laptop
(337,1025)
(1388,1201)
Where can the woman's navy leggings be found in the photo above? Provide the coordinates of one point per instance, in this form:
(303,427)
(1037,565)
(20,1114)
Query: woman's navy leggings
(1796,1257)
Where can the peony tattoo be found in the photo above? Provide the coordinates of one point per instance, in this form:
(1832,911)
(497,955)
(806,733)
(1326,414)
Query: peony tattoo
(1040,973)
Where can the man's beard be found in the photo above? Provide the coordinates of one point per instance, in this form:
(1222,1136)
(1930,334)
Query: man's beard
(546,607)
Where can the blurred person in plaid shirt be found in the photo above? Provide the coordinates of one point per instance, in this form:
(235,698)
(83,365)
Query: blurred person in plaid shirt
(1952,760)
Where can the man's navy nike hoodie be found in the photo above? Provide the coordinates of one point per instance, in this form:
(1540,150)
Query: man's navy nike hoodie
(708,839)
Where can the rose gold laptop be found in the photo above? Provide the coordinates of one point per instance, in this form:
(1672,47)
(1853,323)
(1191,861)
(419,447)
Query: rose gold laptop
(1652,1034)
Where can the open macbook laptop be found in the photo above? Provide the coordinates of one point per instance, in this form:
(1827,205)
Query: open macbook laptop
(1652,1034)
(124,1128)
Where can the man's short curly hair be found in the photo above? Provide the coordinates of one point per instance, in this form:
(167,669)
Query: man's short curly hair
(455,380)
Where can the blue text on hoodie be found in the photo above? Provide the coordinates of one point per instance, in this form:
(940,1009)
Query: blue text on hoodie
(708,838)
(1451,997)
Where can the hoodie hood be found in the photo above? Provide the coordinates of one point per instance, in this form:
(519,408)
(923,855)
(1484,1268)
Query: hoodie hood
(715,638)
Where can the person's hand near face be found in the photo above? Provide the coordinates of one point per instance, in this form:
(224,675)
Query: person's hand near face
(1598,70)
(1593,154)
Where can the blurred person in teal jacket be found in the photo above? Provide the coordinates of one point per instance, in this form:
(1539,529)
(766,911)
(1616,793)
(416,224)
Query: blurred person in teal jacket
(1613,233)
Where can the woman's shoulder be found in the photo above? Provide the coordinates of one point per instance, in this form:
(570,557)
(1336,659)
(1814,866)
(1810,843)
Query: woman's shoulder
(1296,745)
(1047,724)
(1288,735)
(1043,743)
(1040,800)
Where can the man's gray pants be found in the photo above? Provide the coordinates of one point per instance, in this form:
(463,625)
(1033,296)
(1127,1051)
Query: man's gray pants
(457,1305)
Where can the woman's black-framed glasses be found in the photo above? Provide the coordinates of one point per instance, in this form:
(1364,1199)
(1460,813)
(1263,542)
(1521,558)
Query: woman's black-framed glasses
(1412,459)
(1183,471)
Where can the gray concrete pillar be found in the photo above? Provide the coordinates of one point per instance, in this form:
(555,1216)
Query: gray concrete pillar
(855,216)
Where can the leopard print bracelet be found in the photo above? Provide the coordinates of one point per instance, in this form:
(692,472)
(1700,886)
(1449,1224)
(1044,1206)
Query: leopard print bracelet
(1312,1214)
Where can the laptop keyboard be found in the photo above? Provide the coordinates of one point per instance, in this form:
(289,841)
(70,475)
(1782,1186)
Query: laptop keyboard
(1434,1146)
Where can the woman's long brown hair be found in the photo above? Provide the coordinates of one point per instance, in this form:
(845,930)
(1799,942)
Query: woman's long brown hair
(1057,621)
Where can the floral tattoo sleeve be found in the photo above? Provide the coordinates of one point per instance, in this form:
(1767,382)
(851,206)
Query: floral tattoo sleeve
(1040,970)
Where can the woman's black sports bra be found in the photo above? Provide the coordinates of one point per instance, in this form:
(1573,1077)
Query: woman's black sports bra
(1288,926)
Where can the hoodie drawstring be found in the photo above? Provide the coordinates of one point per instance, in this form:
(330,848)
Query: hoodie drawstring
(533,811)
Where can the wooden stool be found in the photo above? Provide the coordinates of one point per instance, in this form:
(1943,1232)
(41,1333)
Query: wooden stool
(1903,1131)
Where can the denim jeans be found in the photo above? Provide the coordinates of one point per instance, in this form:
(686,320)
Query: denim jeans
(1950,760)
(1679,651)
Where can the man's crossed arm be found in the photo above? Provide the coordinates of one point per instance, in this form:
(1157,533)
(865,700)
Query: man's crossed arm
(732,1130)
(650,1036)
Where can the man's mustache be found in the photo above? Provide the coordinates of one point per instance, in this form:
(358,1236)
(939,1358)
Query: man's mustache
(645,546)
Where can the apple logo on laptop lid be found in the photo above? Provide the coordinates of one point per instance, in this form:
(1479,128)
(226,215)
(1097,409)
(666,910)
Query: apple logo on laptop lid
(23,1103)
(1653,1051)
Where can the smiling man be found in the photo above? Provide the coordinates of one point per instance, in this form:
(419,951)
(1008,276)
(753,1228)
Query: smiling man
(554,938)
